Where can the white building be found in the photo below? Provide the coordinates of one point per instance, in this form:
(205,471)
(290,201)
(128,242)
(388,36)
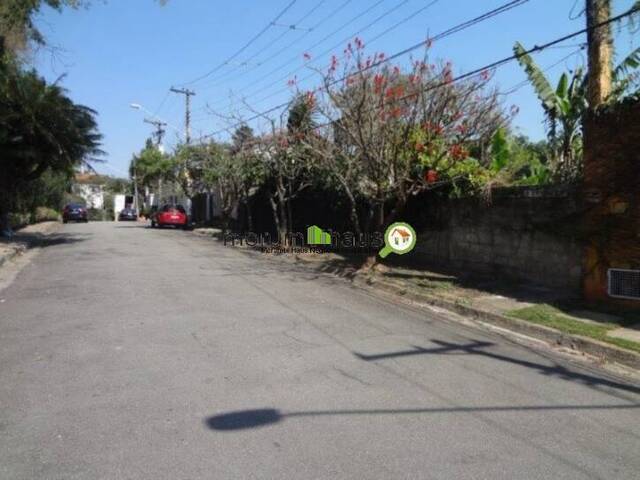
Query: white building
(91,188)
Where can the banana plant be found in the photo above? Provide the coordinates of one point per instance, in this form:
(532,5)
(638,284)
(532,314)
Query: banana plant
(565,105)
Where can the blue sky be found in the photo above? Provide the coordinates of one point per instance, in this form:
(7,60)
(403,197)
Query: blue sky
(124,51)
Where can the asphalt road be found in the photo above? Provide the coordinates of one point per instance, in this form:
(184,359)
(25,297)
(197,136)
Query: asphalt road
(131,353)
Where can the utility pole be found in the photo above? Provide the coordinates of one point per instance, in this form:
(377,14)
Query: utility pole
(187,126)
(159,133)
(187,94)
(600,51)
(160,130)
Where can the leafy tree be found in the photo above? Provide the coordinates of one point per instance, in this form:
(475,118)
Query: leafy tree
(250,167)
(151,168)
(393,134)
(17,29)
(221,172)
(41,130)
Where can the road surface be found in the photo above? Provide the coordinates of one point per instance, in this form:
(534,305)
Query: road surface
(131,353)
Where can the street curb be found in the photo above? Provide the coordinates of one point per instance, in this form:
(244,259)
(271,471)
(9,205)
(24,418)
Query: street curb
(19,245)
(11,255)
(606,352)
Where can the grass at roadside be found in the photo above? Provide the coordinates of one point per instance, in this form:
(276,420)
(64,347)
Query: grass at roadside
(552,317)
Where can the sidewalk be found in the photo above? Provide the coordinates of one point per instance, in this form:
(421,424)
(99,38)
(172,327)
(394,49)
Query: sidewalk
(25,238)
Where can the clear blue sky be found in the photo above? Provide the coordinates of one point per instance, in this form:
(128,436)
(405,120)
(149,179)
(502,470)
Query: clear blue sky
(119,52)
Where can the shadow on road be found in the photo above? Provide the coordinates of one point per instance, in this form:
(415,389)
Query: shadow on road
(245,419)
(254,418)
(478,348)
(49,239)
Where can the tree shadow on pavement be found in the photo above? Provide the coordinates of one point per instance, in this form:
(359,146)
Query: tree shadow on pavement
(48,239)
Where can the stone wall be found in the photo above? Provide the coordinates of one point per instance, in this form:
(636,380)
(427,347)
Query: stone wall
(525,233)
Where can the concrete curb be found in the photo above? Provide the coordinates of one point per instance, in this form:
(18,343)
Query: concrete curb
(19,245)
(604,351)
(19,250)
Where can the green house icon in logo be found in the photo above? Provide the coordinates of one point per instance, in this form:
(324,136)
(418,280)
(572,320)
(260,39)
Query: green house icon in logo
(316,236)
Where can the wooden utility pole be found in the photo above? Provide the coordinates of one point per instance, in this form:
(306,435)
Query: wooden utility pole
(600,51)
(160,130)
(187,123)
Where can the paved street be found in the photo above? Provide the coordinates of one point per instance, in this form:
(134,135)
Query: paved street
(131,353)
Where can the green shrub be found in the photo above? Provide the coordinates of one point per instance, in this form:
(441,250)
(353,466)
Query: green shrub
(45,214)
(18,220)
(96,214)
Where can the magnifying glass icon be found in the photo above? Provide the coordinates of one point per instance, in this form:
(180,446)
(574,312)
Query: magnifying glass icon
(400,238)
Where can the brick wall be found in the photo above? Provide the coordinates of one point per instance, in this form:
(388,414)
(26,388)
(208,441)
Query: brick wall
(611,196)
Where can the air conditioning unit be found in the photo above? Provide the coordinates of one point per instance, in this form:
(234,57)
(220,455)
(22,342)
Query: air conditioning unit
(623,283)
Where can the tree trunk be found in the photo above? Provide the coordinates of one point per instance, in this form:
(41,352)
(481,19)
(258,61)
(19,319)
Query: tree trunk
(600,52)
(276,216)
(247,206)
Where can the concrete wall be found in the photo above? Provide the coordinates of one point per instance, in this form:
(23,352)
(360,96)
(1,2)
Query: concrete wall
(527,233)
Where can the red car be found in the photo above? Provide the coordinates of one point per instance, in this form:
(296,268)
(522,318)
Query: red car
(174,215)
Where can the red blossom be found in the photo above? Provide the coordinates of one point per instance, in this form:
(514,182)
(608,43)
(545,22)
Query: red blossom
(458,152)
(485,75)
(396,112)
(433,128)
(311,99)
(379,82)
(431,176)
(462,129)
(419,147)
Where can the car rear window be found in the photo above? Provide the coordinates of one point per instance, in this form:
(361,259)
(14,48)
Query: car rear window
(179,208)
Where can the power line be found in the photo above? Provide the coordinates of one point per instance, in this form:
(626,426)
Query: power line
(491,66)
(214,81)
(243,48)
(451,31)
(324,39)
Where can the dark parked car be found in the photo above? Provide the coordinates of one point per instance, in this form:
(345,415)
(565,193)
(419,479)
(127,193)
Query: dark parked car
(127,214)
(75,212)
(170,215)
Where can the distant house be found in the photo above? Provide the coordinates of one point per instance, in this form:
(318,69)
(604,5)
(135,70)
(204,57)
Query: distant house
(400,236)
(90,187)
